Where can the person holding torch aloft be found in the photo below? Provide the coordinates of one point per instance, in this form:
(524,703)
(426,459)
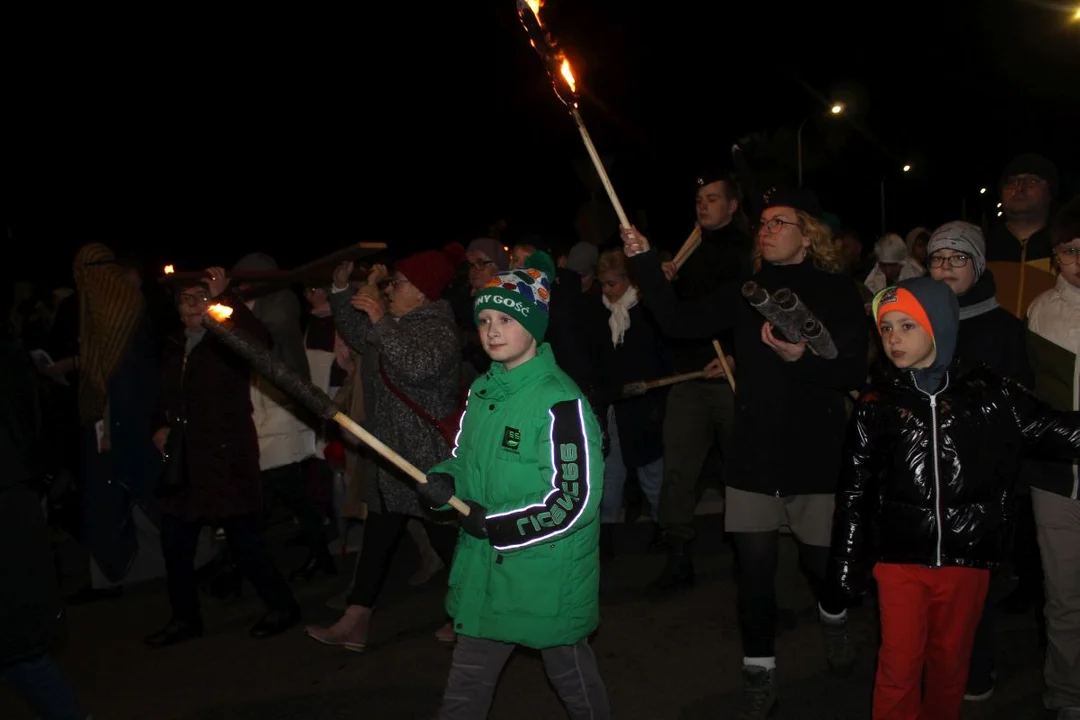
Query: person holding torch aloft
(207,435)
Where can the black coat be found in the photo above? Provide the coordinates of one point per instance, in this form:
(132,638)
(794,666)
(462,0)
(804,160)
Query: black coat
(789,416)
(211,391)
(724,257)
(640,357)
(928,479)
(994,336)
(30,608)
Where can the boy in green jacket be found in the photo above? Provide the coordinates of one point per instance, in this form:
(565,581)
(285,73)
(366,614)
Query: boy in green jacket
(528,462)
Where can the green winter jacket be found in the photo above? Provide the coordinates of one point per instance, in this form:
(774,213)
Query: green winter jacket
(529,450)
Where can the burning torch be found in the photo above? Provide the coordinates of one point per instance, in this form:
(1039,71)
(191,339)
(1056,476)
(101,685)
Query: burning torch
(217,322)
(562,77)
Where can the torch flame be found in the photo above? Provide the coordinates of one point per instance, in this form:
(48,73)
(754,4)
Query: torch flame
(169,269)
(568,75)
(220,313)
(535,6)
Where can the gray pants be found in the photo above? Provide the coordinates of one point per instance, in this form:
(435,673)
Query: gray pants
(477,664)
(1057,519)
(699,415)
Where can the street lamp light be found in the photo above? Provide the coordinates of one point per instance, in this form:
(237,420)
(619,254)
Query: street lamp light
(907,168)
(982,191)
(835,109)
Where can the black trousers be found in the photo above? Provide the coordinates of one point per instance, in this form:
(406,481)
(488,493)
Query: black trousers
(382,533)
(179,539)
(288,484)
(758,555)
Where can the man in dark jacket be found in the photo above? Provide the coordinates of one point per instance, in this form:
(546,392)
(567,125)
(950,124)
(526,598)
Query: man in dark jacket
(1018,244)
(700,416)
(30,608)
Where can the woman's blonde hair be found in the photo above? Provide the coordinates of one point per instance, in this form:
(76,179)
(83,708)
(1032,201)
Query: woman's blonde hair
(823,251)
(614,260)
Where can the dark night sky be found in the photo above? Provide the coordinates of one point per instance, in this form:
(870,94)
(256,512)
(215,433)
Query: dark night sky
(199,138)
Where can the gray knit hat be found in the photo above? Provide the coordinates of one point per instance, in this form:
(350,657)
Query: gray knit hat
(963,237)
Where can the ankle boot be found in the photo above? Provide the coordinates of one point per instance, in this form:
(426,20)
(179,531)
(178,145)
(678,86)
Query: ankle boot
(319,560)
(350,632)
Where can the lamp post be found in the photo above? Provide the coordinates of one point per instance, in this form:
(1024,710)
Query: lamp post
(835,109)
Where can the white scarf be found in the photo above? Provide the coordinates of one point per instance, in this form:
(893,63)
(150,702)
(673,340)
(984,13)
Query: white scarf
(619,321)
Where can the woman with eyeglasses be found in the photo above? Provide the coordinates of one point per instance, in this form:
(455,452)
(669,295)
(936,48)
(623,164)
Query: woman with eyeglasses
(486,257)
(206,428)
(1054,344)
(988,335)
(790,416)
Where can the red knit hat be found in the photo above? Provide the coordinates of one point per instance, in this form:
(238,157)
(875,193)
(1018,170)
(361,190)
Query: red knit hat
(432,270)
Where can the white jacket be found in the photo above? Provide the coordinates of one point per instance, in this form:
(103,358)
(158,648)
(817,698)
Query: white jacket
(283,437)
(876,281)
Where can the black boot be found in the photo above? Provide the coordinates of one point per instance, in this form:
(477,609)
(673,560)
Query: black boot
(176,631)
(607,546)
(276,622)
(657,543)
(319,560)
(679,570)
(225,584)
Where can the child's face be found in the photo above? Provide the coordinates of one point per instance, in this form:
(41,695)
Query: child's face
(908,345)
(1068,256)
(960,279)
(504,339)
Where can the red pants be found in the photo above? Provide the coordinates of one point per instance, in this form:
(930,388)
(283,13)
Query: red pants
(928,620)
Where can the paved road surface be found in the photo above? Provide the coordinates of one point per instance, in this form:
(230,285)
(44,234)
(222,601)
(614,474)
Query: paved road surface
(677,658)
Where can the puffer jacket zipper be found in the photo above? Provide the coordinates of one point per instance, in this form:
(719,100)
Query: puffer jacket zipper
(937,469)
(1076,406)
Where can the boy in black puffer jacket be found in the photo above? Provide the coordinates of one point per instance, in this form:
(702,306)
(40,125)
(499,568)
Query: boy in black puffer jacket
(928,483)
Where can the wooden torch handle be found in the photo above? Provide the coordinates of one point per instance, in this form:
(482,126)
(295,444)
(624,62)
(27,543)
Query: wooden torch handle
(674,379)
(600,170)
(724,364)
(693,240)
(399,462)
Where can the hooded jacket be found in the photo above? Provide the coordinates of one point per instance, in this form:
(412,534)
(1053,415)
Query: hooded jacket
(932,456)
(529,451)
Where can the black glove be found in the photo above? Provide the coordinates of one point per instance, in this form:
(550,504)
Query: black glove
(475,523)
(438,489)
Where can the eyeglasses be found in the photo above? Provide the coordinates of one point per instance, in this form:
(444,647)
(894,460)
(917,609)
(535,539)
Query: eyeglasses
(954,261)
(189,299)
(1023,181)
(773,226)
(479,265)
(394,282)
(1067,254)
